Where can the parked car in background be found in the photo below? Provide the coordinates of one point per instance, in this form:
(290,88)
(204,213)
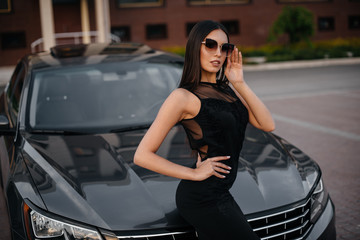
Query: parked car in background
(70,122)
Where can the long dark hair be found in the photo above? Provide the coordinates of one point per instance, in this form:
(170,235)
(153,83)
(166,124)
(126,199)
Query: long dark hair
(192,68)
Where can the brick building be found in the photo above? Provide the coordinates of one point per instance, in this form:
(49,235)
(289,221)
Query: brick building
(163,23)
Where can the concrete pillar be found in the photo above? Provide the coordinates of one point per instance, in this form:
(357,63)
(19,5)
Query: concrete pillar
(102,13)
(85,24)
(47,23)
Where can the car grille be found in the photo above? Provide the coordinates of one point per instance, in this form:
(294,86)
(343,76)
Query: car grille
(164,236)
(289,224)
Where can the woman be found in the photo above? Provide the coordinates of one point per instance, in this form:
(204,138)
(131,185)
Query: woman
(214,105)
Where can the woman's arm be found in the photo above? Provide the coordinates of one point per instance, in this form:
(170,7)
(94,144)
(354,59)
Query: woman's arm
(179,105)
(259,115)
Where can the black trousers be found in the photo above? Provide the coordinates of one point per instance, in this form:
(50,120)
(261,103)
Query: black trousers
(221,221)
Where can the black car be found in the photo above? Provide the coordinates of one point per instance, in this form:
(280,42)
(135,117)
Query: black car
(70,122)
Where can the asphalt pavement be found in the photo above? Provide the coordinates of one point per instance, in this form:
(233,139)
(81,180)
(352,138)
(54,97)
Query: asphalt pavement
(316,106)
(318,110)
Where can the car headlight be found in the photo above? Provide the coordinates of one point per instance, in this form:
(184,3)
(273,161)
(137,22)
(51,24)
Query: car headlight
(318,201)
(45,227)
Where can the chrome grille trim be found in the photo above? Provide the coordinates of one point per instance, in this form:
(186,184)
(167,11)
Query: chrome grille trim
(287,232)
(148,236)
(284,222)
(278,213)
(293,223)
(305,234)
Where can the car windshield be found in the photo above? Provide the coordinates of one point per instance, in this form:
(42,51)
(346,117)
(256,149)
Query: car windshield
(100,98)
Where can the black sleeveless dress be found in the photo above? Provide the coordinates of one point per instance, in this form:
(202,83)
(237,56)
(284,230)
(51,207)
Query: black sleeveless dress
(217,130)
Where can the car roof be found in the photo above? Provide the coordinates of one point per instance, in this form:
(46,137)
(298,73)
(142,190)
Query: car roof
(94,53)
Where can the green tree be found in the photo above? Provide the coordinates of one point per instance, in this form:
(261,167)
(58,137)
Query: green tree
(296,22)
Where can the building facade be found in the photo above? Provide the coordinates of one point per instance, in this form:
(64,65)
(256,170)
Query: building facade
(166,23)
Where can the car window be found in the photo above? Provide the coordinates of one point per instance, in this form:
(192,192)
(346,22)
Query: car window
(13,92)
(101,97)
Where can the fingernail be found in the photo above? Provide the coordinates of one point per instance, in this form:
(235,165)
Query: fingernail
(228,156)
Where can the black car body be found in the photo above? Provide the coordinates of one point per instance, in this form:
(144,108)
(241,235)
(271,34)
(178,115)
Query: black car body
(70,122)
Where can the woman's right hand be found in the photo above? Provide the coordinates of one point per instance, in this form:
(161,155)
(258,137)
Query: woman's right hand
(211,166)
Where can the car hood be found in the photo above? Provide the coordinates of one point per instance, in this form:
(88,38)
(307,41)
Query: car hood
(92,178)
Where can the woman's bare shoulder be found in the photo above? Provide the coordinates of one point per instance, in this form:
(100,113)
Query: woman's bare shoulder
(182,92)
(182,95)
(186,101)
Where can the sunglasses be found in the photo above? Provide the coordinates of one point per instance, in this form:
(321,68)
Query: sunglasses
(213,45)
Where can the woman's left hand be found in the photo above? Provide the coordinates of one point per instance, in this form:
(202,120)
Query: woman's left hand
(234,69)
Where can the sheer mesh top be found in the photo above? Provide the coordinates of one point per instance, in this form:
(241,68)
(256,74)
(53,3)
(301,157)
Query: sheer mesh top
(219,127)
(217,130)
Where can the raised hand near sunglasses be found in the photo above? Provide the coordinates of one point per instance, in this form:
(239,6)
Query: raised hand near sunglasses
(234,69)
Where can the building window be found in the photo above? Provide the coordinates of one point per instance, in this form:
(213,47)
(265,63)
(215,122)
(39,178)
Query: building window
(213,2)
(123,32)
(301,1)
(189,26)
(231,26)
(11,40)
(5,6)
(157,31)
(139,3)
(354,22)
(326,23)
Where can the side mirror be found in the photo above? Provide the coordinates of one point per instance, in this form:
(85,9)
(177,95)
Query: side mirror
(5,126)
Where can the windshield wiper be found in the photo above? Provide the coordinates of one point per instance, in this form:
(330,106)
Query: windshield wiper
(131,128)
(70,132)
(58,132)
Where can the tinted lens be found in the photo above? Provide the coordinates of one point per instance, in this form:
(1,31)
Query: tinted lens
(211,44)
(227,48)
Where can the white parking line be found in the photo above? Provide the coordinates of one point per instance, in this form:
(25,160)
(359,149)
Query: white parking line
(345,92)
(317,127)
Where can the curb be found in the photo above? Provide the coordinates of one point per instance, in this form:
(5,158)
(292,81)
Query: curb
(302,64)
